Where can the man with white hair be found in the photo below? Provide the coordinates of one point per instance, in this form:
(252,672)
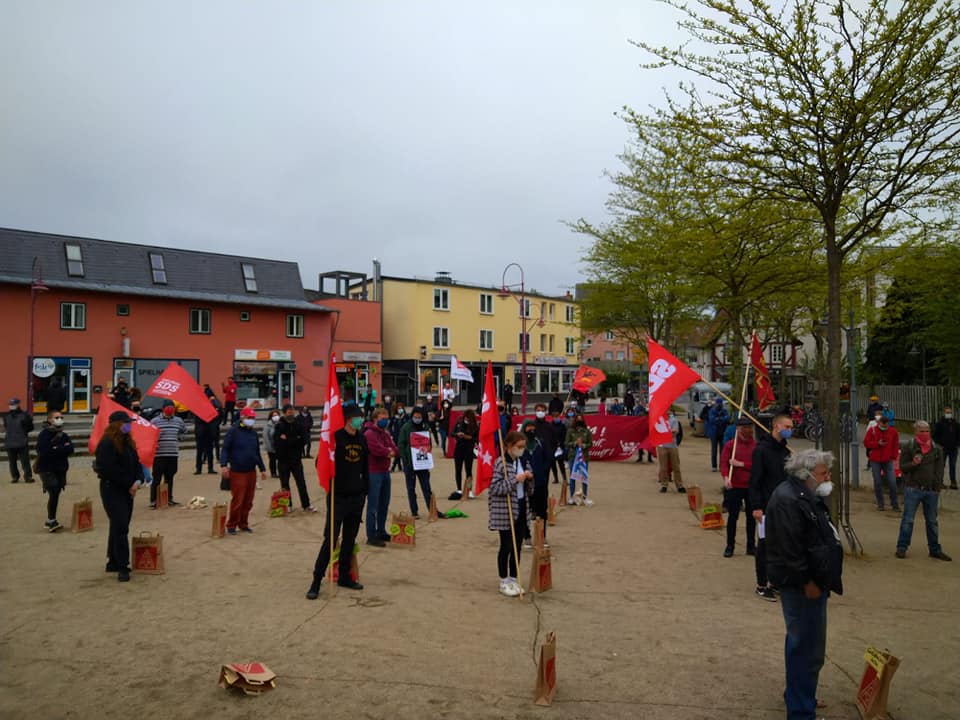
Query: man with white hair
(805,561)
(921,460)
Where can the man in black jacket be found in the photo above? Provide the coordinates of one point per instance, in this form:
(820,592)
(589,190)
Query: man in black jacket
(351,481)
(289,437)
(17,427)
(766,473)
(805,561)
(946,434)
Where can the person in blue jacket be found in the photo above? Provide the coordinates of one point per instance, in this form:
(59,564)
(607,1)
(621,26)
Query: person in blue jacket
(716,425)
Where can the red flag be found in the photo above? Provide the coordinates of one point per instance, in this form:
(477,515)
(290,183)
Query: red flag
(669,377)
(175,383)
(144,434)
(331,422)
(489,424)
(765,396)
(587,377)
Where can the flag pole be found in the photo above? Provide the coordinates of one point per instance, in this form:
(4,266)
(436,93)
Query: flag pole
(726,397)
(743,399)
(333,481)
(513,532)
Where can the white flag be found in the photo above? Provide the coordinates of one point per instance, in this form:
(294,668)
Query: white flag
(459,371)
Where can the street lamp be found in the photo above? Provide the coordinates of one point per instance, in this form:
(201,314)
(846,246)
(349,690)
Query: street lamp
(922,352)
(508,291)
(36,286)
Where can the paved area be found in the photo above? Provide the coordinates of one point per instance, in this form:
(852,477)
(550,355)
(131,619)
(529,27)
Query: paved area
(651,621)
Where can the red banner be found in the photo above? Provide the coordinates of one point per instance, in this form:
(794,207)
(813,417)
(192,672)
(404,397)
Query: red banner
(765,396)
(669,377)
(330,422)
(587,377)
(489,424)
(177,384)
(144,434)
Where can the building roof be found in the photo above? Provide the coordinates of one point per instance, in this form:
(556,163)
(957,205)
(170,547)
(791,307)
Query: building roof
(443,279)
(125,269)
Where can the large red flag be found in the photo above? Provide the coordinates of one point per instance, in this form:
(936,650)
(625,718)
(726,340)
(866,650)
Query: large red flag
(765,397)
(587,377)
(177,384)
(144,434)
(331,422)
(669,377)
(489,424)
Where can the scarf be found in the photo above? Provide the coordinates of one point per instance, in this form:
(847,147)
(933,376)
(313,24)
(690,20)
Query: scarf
(925,445)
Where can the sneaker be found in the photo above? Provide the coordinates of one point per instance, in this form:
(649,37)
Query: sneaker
(588,502)
(508,588)
(415,516)
(259,485)
(246,530)
(123,576)
(386,537)
(766,594)
(941,555)
(901,553)
(376,542)
(879,508)
(728,552)
(471,495)
(571,501)
(895,509)
(455,495)
(350,584)
(751,551)
(310,508)
(682,490)
(153,506)
(15,480)
(231,531)
(527,545)
(663,488)
(29,480)
(172,503)
(53,526)
(314,592)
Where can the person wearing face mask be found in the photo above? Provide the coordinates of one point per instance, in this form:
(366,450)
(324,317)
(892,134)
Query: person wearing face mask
(735,469)
(17,428)
(167,455)
(766,473)
(946,434)
(874,408)
(430,415)
(539,457)
(397,422)
(382,451)
(717,420)
(921,461)
(883,446)
(512,478)
(415,424)
(465,432)
(558,438)
(805,562)
(53,449)
(443,424)
(269,429)
(239,460)
(306,421)
(578,436)
(288,441)
(121,475)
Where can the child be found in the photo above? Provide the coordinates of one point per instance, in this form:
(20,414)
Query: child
(578,436)
(515,480)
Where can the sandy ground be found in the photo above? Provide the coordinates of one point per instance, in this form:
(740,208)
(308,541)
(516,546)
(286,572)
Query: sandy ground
(651,621)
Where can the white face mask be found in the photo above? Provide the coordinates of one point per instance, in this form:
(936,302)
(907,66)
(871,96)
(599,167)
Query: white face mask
(58,422)
(824,489)
(948,416)
(877,417)
(540,414)
(248,422)
(516,453)
(275,419)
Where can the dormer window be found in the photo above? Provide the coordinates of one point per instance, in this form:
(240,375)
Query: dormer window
(249,277)
(157,269)
(74,260)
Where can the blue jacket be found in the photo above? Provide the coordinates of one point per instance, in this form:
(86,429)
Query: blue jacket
(717,421)
(241,450)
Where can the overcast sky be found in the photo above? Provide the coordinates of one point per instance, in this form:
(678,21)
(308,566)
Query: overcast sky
(433,135)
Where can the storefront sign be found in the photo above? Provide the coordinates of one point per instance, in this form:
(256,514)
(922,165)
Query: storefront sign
(44,367)
(361,356)
(549,360)
(262,355)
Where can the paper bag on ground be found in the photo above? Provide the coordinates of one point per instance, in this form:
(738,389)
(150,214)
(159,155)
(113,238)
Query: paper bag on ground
(82,516)
(563,494)
(218,530)
(552,511)
(280,503)
(711,517)
(538,533)
(403,530)
(147,553)
(695,498)
(354,564)
(541,574)
(163,495)
(875,684)
(546,671)
(250,678)
(434,515)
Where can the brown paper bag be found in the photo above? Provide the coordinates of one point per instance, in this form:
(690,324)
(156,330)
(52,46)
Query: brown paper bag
(695,498)
(163,495)
(711,517)
(546,671)
(403,530)
(875,684)
(219,521)
(541,574)
(538,533)
(552,511)
(354,564)
(434,515)
(251,678)
(563,493)
(82,516)
(147,553)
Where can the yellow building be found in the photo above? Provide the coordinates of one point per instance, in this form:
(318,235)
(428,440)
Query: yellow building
(427,321)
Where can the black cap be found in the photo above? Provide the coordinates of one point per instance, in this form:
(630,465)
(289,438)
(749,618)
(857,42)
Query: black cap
(744,421)
(288,406)
(120,416)
(167,403)
(351,411)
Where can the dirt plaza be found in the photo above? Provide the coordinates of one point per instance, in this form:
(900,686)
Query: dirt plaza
(651,620)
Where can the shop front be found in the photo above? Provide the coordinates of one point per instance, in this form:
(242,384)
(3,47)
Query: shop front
(141,373)
(265,379)
(355,372)
(62,381)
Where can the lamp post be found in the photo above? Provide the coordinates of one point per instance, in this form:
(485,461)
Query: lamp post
(922,352)
(854,442)
(508,291)
(36,286)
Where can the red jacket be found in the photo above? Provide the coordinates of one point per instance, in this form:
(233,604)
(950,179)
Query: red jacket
(229,392)
(379,443)
(741,475)
(884,445)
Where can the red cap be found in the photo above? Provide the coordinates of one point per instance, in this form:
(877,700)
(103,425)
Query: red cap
(248,412)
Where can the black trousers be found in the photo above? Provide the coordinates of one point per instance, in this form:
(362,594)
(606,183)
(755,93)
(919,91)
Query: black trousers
(205,454)
(506,561)
(462,462)
(230,411)
(760,562)
(118,504)
(347,513)
(296,469)
(538,504)
(272,462)
(559,466)
(53,485)
(23,455)
(734,498)
(164,468)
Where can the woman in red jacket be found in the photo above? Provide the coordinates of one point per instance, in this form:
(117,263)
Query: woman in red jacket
(883,445)
(382,452)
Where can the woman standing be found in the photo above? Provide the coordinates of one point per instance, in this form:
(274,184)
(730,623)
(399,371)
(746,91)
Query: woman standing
(53,449)
(465,432)
(120,477)
(268,431)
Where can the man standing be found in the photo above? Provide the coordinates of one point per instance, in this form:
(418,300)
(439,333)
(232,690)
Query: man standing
(946,434)
(288,442)
(883,445)
(717,421)
(449,394)
(556,405)
(229,400)
(350,484)
(203,434)
(668,456)
(766,473)
(874,408)
(806,564)
(168,450)
(508,395)
(922,463)
(629,403)
(736,484)
(540,448)
(306,422)
(17,428)
(368,401)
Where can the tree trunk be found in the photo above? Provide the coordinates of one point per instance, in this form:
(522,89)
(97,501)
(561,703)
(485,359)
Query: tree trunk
(830,398)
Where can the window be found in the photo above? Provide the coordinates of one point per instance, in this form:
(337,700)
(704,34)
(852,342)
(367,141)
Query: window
(608,335)
(74,260)
(441,299)
(441,337)
(486,339)
(250,282)
(543,310)
(157,269)
(551,310)
(543,342)
(244,316)
(524,309)
(588,343)
(621,355)
(551,343)
(73,316)
(294,325)
(776,354)
(520,342)
(486,303)
(608,355)
(570,345)
(200,321)
(123,310)
(571,316)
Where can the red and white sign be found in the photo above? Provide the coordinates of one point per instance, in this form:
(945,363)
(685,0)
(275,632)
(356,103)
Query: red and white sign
(177,384)
(331,422)
(143,433)
(489,425)
(669,378)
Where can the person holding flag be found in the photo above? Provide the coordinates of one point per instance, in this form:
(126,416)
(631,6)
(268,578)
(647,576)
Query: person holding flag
(510,485)
(578,442)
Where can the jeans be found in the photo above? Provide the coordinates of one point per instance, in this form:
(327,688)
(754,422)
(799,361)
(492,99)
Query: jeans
(734,498)
(804,649)
(890,476)
(378,502)
(412,476)
(22,454)
(295,469)
(950,460)
(912,497)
